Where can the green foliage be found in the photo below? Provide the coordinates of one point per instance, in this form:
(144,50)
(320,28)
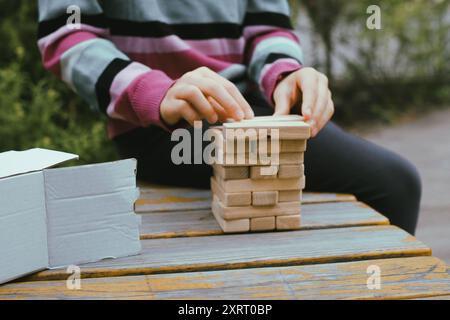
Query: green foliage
(36,109)
(402,68)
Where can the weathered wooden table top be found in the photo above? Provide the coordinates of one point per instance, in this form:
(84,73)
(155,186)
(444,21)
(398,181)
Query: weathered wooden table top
(186,256)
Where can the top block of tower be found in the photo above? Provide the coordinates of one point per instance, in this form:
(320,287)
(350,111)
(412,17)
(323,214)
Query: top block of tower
(290,127)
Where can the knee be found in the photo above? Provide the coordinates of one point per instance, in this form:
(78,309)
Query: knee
(403,180)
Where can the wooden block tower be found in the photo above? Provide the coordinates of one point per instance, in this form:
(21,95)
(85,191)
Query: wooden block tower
(259,187)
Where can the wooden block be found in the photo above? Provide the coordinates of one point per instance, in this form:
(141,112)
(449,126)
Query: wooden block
(245,159)
(284,146)
(249,185)
(288,222)
(264,198)
(289,171)
(289,195)
(292,146)
(231,173)
(233,213)
(229,226)
(262,224)
(287,158)
(230,199)
(286,117)
(288,130)
(263,172)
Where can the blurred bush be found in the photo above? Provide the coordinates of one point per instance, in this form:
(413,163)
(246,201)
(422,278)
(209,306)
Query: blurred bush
(36,109)
(404,67)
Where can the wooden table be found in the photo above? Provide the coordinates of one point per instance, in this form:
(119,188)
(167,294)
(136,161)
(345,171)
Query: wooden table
(186,256)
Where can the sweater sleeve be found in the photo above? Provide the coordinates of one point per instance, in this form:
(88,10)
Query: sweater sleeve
(94,68)
(272,48)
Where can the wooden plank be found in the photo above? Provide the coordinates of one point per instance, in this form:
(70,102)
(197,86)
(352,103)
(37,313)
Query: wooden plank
(402,278)
(435,297)
(156,198)
(254,250)
(172,199)
(202,223)
(319,197)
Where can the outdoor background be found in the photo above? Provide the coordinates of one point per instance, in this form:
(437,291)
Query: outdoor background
(392,86)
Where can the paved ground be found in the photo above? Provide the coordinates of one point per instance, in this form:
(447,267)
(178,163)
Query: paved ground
(426,142)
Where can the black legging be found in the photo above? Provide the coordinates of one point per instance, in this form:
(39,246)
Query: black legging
(335,161)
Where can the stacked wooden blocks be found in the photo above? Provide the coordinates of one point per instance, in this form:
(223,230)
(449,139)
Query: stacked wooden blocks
(250,193)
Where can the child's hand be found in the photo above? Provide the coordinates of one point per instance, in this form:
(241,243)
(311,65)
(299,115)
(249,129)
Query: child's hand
(203,94)
(311,87)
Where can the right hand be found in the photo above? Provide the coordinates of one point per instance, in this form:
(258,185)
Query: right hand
(204,94)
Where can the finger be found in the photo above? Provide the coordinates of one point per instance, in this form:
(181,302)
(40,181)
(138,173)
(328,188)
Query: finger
(189,113)
(212,88)
(198,101)
(307,82)
(218,108)
(325,116)
(323,96)
(233,90)
(281,97)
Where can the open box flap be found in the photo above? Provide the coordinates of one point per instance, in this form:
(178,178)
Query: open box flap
(19,162)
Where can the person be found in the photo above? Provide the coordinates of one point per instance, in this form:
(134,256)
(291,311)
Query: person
(154,66)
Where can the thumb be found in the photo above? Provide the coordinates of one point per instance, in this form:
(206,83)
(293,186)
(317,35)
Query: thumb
(281,98)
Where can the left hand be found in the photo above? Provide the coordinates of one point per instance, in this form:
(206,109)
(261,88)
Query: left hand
(310,87)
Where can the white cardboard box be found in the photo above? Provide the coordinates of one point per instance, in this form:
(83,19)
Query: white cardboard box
(53,218)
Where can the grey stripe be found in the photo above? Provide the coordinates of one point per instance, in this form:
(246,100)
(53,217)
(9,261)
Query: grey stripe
(279,6)
(233,71)
(273,45)
(89,65)
(177,11)
(49,9)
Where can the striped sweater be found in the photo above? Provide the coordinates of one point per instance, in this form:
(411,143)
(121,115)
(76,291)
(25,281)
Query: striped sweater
(126,54)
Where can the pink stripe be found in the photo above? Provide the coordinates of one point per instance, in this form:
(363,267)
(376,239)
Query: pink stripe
(64,30)
(145,95)
(175,64)
(255,31)
(173,43)
(52,54)
(267,67)
(272,75)
(118,87)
